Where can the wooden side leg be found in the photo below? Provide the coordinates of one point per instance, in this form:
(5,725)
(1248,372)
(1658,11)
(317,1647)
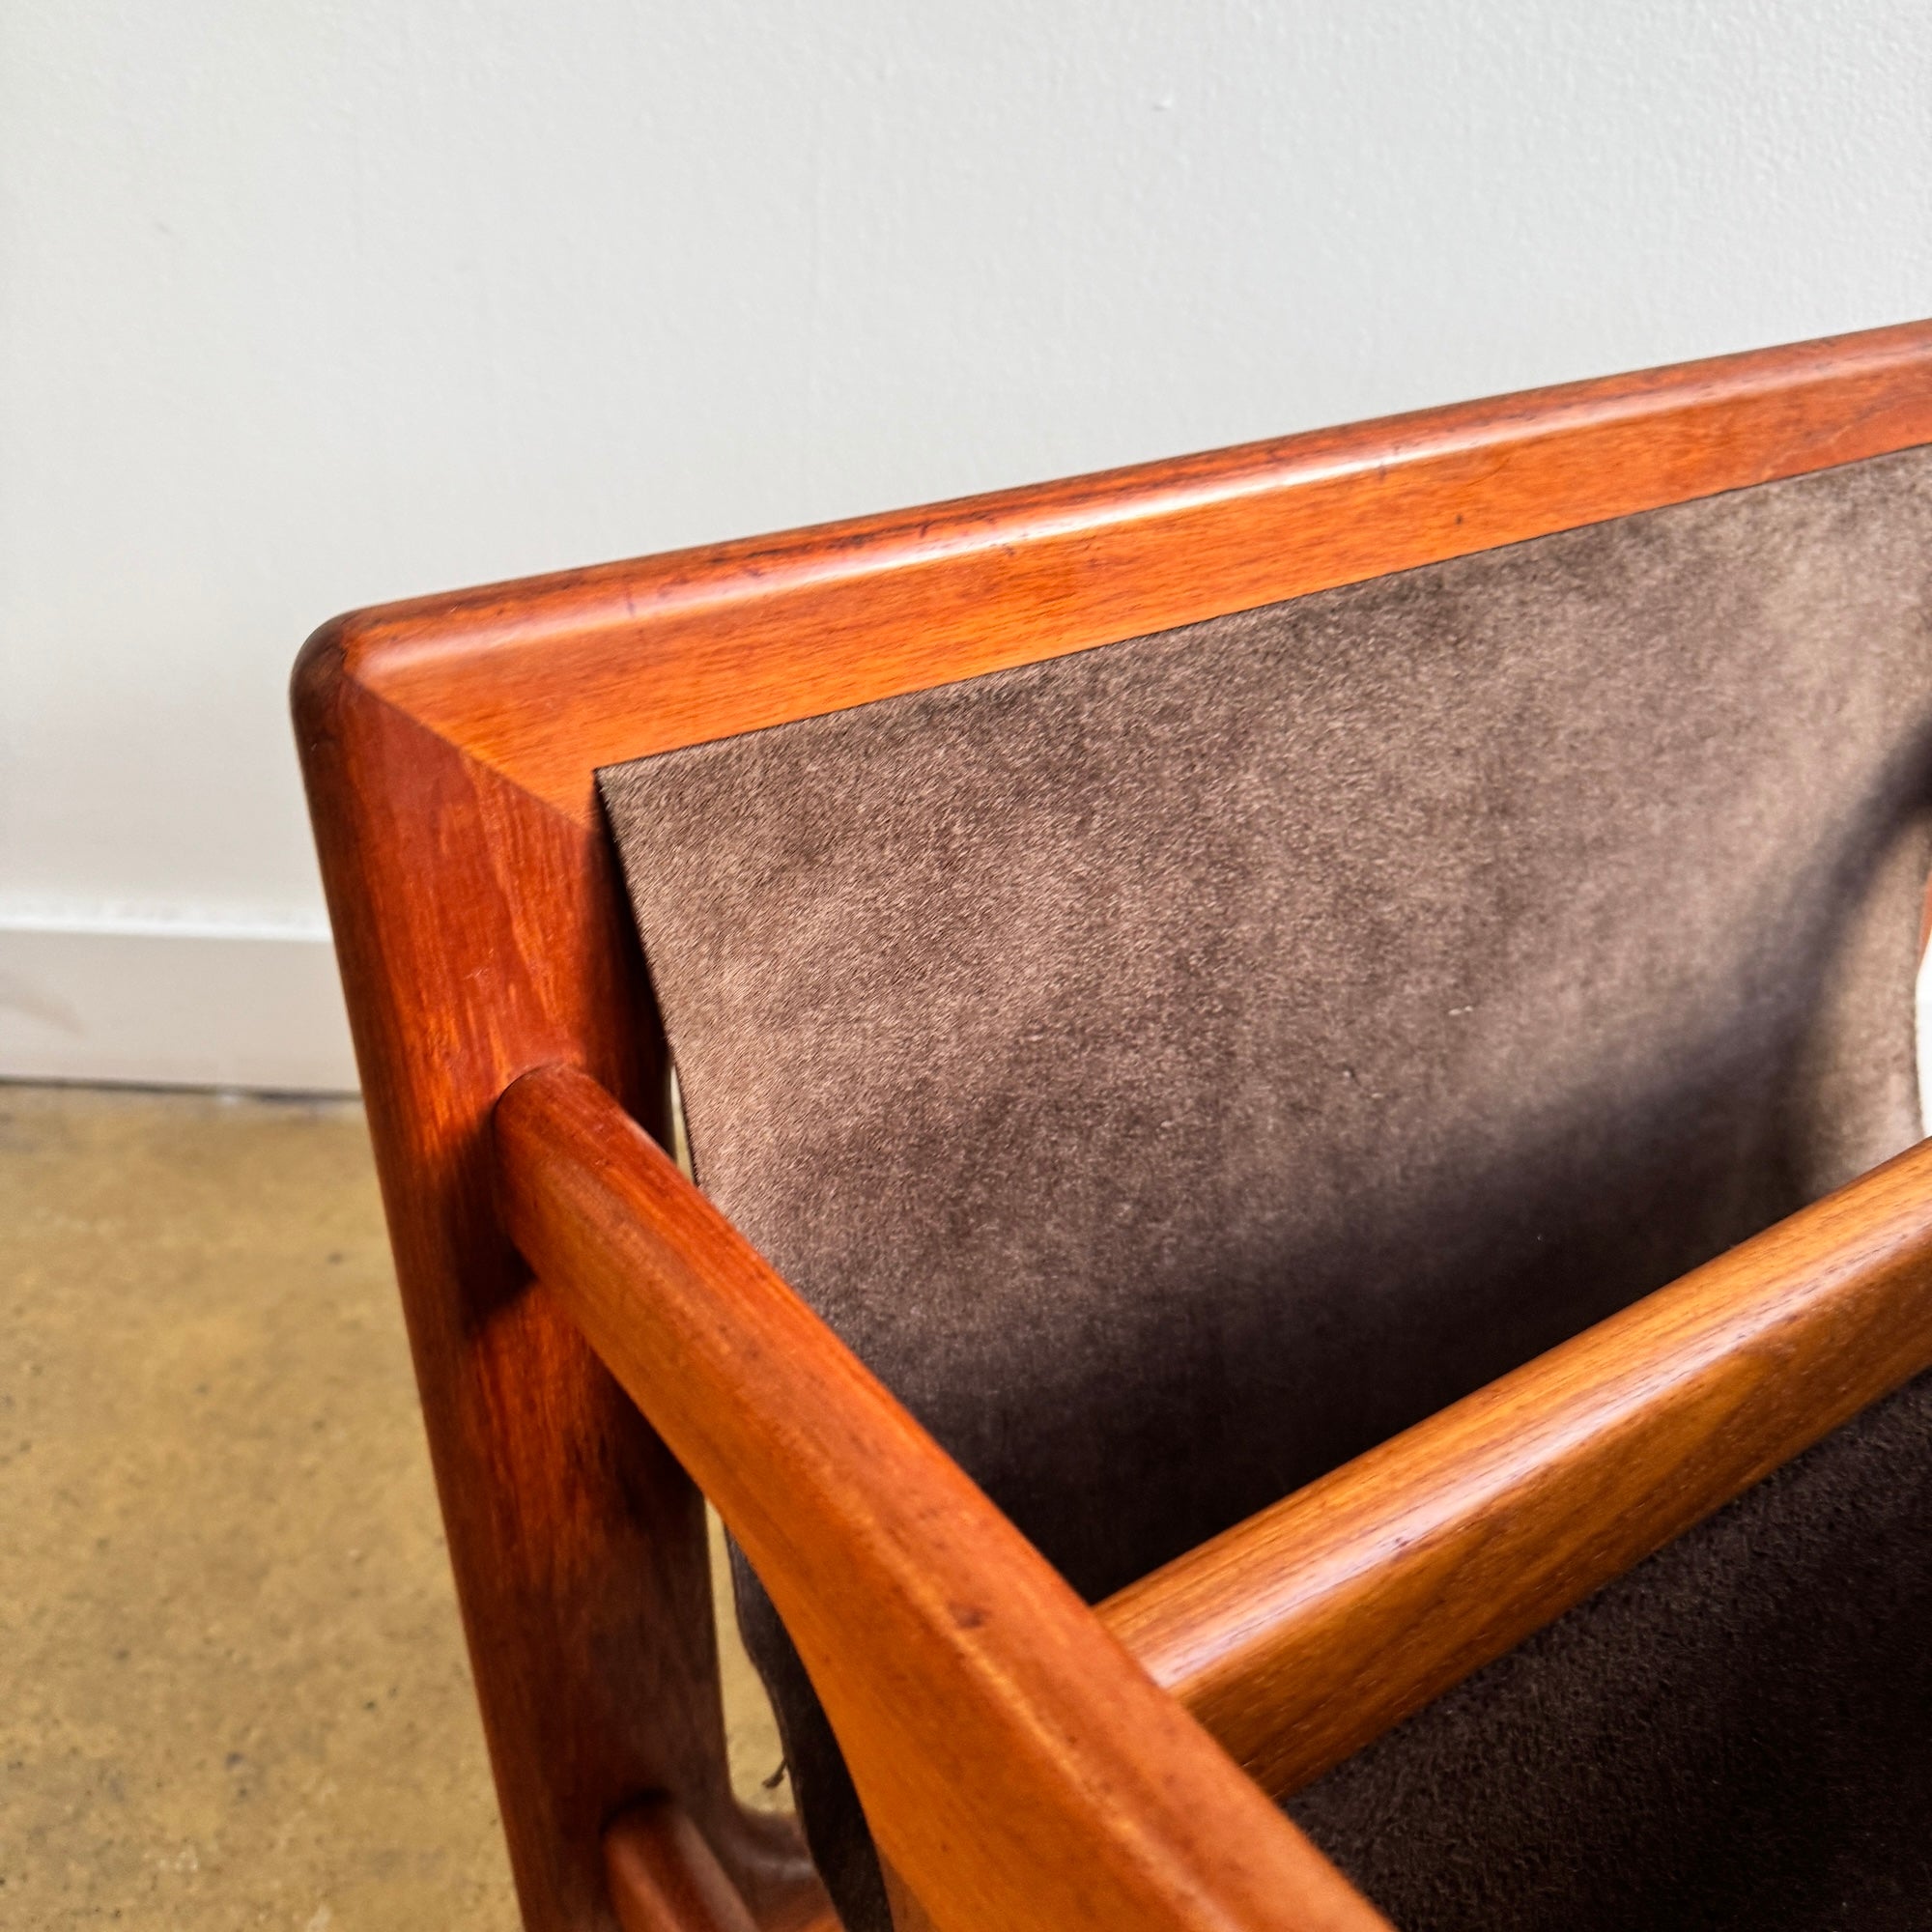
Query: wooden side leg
(481,933)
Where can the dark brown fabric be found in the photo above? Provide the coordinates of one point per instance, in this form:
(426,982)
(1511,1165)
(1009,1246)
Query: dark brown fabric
(1737,1735)
(1178,1067)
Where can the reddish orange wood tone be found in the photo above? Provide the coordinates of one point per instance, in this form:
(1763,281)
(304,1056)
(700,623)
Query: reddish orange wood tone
(1302,1634)
(449,747)
(908,1914)
(1017,1768)
(663,1878)
(548,679)
(480,934)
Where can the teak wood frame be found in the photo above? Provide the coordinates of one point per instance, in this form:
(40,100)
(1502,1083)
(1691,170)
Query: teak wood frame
(449,746)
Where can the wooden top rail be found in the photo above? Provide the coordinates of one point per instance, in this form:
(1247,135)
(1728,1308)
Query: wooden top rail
(547,679)
(1017,1768)
(450,747)
(1306,1631)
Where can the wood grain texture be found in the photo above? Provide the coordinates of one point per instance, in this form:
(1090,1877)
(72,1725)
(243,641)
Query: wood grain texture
(663,1876)
(449,746)
(480,933)
(1306,1631)
(908,1914)
(1017,1768)
(547,679)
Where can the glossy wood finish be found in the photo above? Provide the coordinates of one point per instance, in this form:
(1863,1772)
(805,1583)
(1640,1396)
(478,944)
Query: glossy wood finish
(908,1914)
(1303,1634)
(1017,1768)
(546,681)
(449,746)
(665,1878)
(479,934)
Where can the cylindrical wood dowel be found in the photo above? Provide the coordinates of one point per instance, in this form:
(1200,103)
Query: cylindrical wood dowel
(1015,1766)
(1303,1634)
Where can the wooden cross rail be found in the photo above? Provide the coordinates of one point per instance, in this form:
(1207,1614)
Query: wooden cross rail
(1303,1634)
(450,747)
(1017,1769)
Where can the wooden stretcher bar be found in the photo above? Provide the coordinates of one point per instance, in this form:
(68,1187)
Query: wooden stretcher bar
(1017,1768)
(449,746)
(954,1663)
(1303,1634)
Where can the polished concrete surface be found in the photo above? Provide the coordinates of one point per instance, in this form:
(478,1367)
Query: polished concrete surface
(232,1691)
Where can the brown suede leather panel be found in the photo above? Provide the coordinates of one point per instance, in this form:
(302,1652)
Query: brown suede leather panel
(1737,1735)
(1178,1067)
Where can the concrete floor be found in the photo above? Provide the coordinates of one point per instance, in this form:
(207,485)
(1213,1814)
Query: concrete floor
(232,1686)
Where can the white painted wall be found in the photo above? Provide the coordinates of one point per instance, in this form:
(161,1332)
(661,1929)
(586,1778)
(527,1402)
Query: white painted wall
(303,306)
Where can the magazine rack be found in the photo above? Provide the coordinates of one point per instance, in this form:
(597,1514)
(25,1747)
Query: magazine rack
(596,1343)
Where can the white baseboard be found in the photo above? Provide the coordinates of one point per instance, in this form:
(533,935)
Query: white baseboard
(150,1008)
(155,1007)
